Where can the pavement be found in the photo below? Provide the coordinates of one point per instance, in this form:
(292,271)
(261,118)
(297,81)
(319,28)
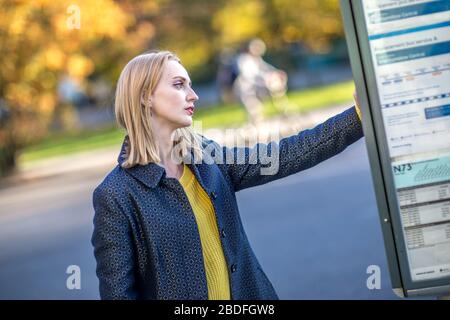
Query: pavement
(315,233)
(268,130)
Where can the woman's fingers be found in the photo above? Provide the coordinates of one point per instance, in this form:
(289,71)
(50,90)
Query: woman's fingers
(357,105)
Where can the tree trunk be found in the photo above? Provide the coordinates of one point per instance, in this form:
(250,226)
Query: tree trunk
(7,160)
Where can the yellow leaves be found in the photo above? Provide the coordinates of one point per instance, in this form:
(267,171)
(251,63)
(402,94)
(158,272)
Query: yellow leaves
(46,103)
(18,24)
(39,45)
(48,80)
(59,24)
(54,57)
(195,54)
(90,19)
(42,3)
(27,98)
(142,36)
(312,22)
(79,66)
(21,93)
(41,40)
(99,18)
(331,26)
(103,18)
(146,30)
(32,69)
(239,20)
(290,33)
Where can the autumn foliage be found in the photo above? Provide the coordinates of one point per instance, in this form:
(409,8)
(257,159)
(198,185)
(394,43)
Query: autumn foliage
(43,41)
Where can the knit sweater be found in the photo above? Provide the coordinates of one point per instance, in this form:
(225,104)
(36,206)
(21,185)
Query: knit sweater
(214,259)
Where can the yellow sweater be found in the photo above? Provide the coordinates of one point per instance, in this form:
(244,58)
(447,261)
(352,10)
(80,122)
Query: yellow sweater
(215,264)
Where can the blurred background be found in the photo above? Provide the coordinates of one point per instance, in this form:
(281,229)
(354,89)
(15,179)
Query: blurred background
(315,233)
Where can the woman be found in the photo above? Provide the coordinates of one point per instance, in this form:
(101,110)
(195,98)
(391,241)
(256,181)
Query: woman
(167,227)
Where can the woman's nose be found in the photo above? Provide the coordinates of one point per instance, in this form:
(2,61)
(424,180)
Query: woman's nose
(192,95)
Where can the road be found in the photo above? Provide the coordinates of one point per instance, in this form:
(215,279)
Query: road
(315,233)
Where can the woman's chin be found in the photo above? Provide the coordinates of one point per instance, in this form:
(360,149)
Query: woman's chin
(185,122)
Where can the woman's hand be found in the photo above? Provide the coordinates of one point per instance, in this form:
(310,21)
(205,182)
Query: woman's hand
(357,105)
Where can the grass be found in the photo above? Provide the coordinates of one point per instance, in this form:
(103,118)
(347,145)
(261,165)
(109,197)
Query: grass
(218,116)
(72,142)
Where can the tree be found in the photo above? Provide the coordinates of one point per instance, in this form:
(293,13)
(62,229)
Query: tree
(45,41)
(280,22)
(42,41)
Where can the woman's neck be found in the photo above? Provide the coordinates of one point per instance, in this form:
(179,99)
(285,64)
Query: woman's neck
(164,140)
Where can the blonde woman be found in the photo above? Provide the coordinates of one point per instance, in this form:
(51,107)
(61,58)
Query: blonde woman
(166,223)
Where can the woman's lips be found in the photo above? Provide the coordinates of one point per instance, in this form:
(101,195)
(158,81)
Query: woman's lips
(190,110)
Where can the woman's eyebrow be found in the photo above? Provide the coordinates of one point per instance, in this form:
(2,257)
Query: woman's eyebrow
(183,78)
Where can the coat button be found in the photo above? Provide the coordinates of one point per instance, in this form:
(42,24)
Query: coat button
(233,268)
(223,233)
(214,195)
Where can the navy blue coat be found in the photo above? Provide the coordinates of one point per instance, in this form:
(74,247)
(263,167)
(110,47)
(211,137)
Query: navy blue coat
(146,240)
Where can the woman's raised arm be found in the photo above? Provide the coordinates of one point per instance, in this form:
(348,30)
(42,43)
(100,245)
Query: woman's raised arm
(268,162)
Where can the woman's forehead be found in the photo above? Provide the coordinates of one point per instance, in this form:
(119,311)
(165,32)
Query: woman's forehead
(175,69)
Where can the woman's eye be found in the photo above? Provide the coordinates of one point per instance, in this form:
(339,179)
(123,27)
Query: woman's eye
(178,85)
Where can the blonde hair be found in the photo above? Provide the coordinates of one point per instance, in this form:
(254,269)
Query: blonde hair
(136,83)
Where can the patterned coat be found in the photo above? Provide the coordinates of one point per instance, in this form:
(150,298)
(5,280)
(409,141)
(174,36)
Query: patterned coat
(146,240)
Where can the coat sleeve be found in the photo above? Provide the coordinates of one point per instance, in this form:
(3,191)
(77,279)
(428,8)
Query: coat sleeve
(113,248)
(268,162)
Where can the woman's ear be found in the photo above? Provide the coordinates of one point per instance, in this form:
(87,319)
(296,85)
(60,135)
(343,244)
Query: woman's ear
(146,102)
(143,100)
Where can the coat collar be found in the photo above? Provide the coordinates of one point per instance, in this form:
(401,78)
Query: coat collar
(149,174)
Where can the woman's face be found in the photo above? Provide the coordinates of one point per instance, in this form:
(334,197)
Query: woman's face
(173,98)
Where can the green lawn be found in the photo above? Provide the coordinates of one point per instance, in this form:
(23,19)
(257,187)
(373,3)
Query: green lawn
(218,116)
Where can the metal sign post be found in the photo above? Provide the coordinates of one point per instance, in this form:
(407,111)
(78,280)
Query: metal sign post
(400,56)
